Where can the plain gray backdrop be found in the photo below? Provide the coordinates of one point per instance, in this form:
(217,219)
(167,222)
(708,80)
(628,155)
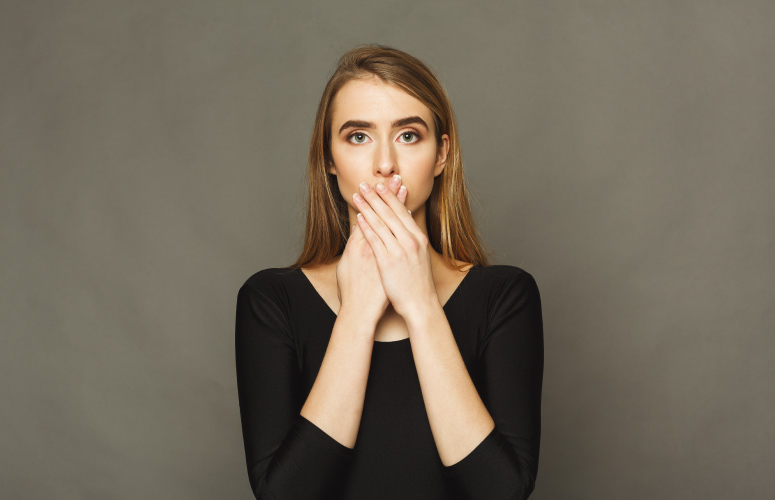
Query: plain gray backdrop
(152,159)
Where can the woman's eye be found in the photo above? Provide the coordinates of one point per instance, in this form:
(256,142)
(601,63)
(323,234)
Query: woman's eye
(360,137)
(409,135)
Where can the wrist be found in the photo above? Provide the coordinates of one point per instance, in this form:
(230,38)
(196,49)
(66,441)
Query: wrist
(359,317)
(420,315)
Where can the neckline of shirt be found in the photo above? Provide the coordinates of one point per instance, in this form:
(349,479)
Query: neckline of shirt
(321,300)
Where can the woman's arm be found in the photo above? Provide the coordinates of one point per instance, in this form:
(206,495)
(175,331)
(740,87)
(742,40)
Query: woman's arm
(335,402)
(293,454)
(511,360)
(487,432)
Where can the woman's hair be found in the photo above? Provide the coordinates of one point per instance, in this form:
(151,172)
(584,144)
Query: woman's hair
(451,229)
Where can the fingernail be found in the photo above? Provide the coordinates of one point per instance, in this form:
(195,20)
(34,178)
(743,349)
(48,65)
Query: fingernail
(381,187)
(402,190)
(395,181)
(365,187)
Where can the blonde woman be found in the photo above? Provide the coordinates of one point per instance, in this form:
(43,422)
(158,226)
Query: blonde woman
(390,360)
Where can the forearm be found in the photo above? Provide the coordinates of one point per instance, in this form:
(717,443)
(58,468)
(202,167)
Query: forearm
(335,402)
(458,418)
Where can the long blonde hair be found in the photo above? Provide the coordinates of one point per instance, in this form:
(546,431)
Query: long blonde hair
(451,229)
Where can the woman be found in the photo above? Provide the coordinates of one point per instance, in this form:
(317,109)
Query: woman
(390,361)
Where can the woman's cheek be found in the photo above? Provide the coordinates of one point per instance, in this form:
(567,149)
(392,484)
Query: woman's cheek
(417,158)
(355,158)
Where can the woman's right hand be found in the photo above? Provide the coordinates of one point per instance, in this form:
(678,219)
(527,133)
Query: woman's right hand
(358,281)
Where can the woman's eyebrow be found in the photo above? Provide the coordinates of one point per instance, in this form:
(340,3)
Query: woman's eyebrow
(398,123)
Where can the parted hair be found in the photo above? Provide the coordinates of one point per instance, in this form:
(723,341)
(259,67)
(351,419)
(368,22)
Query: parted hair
(449,221)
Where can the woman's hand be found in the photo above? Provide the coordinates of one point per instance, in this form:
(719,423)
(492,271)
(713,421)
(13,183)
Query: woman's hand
(401,248)
(358,279)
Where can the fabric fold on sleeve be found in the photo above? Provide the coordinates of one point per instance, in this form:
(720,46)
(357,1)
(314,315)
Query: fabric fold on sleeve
(491,471)
(308,464)
(317,437)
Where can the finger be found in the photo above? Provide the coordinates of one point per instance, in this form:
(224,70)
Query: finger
(375,242)
(402,193)
(398,205)
(395,184)
(390,239)
(397,189)
(380,210)
(355,233)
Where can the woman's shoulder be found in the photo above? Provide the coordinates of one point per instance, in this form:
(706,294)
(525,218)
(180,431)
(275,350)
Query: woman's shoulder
(505,271)
(271,279)
(504,279)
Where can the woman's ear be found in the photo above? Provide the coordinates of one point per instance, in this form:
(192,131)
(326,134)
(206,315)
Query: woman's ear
(441,155)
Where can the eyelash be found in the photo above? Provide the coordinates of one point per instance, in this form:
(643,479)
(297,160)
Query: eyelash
(403,133)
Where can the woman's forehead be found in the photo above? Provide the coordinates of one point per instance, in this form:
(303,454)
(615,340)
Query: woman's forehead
(375,101)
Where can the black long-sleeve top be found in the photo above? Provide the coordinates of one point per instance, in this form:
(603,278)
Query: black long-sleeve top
(282,330)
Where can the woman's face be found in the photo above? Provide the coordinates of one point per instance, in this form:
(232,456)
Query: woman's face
(377,131)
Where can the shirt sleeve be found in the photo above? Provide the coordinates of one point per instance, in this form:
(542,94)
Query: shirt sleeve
(504,466)
(288,457)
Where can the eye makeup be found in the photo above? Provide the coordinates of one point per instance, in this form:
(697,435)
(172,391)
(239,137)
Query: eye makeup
(417,136)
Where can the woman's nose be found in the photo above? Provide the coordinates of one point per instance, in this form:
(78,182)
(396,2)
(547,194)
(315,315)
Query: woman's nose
(386,158)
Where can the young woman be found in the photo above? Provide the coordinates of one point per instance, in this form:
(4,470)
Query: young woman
(390,360)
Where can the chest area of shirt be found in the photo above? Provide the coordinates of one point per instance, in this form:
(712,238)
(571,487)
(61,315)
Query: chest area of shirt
(392,348)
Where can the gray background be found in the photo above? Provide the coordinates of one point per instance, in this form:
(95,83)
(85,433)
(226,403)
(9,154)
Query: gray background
(152,158)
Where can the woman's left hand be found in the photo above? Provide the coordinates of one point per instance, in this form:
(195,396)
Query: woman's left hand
(401,248)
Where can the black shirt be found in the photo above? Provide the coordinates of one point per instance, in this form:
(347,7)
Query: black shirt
(282,330)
